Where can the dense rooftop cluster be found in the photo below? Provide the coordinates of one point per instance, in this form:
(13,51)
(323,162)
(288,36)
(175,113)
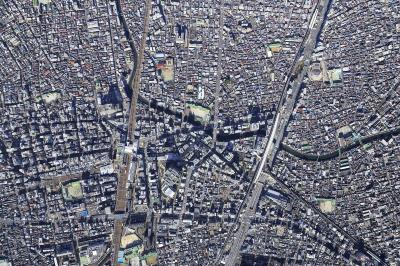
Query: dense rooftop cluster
(286,230)
(57,219)
(166,132)
(354,77)
(361,185)
(258,43)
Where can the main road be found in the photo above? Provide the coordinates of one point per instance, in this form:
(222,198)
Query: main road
(245,218)
(329,220)
(219,71)
(281,120)
(134,84)
(287,103)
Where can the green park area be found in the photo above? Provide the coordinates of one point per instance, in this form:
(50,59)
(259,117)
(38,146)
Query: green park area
(275,47)
(49,97)
(37,2)
(85,260)
(151,258)
(335,75)
(72,191)
(327,205)
(200,113)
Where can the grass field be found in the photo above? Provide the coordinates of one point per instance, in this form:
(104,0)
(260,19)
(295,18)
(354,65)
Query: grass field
(73,191)
(327,205)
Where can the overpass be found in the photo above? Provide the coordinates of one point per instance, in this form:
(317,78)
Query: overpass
(281,120)
(288,102)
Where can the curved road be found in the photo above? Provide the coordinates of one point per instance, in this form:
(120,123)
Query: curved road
(336,153)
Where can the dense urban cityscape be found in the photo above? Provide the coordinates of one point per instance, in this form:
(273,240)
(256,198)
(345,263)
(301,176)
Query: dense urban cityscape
(199,132)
